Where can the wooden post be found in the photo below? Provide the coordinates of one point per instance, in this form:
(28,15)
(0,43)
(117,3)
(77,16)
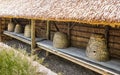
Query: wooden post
(33,42)
(107,35)
(48,35)
(48,30)
(69,33)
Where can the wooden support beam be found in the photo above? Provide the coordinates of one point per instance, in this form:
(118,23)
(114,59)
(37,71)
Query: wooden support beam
(69,33)
(48,34)
(48,30)
(56,26)
(73,24)
(33,42)
(107,35)
(107,38)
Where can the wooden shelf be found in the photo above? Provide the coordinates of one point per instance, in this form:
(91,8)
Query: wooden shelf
(20,37)
(78,56)
(75,55)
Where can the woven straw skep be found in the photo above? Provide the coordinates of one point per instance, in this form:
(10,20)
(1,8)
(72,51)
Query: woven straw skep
(11,27)
(27,31)
(18,28)
(97,48)
(60,40)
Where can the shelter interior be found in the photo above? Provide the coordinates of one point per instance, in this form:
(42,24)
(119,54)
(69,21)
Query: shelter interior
(78,33)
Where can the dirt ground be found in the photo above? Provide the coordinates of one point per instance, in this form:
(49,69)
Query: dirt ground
(55,63)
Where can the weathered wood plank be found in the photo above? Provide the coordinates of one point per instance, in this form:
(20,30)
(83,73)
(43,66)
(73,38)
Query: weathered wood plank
(48,30)
(33,42)
(21,37)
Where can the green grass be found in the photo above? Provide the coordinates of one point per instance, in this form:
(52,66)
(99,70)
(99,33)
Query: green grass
(13,64)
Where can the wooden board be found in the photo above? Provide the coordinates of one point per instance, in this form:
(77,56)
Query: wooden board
(112,66)
(21,37)
(33,40)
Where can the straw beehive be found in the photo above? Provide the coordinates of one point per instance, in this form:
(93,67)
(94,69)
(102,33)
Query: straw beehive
(27,31)
(18,28)
(97,48)
(60,40)
(11,27)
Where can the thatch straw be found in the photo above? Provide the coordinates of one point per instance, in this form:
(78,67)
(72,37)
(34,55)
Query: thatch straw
(97,49)
(11,27)
(85,11)
(60,40)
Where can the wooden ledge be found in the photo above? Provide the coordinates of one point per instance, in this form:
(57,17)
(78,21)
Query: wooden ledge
(21,37)
(78,56)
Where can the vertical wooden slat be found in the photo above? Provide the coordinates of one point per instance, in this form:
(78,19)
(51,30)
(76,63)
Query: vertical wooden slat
(107,28)
(69,33)
(33,42)
(48,34)
(107,35)
(48,30)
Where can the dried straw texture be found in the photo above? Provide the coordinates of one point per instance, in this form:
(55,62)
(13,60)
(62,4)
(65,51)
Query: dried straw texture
(27,31)
(18,28)
(11,27)
(97,49)
(60,40)
(86,11)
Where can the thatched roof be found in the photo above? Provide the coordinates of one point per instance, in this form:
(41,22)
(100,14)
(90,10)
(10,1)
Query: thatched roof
(85,11)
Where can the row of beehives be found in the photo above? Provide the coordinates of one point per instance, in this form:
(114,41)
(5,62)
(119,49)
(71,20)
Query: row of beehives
(96,48)
(19,29)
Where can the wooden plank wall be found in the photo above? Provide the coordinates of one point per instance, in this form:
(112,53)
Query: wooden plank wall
(3,26)
(80,33)
(41,28)
(114,42)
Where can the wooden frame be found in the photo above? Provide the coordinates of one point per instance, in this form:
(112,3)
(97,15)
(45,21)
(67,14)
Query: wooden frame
(33,42)
(48,34)
(63,55)
(48,30)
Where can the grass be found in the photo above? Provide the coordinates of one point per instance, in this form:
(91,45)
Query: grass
(13,64)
